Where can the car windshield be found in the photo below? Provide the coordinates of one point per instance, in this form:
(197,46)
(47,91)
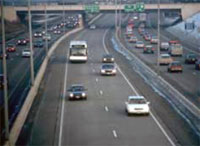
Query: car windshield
(108,66)
(77,88)
(165,56)
(140,42)
(108,56)
(26,50)
(137,101)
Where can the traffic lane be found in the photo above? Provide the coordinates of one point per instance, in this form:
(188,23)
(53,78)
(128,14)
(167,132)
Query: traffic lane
(186,81)
(159,106)
(43,130)
(74,75)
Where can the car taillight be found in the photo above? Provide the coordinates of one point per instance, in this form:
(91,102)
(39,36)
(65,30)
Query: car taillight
(153,49)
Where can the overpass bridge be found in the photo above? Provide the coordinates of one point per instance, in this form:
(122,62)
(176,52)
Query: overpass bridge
(186,9)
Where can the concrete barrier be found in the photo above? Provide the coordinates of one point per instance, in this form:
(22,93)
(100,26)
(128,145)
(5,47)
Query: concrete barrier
(19,122)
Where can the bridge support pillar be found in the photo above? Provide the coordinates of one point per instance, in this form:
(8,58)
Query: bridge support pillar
(10,14)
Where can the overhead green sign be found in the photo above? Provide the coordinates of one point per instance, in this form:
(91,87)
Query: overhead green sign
(138,7)
(129,8)
(92,8)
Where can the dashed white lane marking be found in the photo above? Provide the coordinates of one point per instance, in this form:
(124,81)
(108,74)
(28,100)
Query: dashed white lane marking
(101,92)
(106,109)
(97,79)
(134,90)
(115,133)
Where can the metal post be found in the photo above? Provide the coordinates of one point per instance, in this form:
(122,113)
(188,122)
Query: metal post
(120,17)
(116,15)
(31,43)
(46,41)
(5,87)
(63,17)
(158,35)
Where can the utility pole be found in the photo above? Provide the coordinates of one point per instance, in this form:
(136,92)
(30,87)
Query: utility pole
(158,35)
(31,44)
(63,17)
(5,87)
(116,15)
(120,16)
(46,41)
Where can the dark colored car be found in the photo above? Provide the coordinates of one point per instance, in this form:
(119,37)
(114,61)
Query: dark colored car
(197,65)
(11,48)
(175,66)
(108,58)
(38,43)
(22,41)
(148,49)
(77,92)
(190,59)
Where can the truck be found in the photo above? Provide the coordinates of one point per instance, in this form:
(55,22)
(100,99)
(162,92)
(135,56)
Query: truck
(176,50)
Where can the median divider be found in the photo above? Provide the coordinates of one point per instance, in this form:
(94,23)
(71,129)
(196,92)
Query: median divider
(19,122)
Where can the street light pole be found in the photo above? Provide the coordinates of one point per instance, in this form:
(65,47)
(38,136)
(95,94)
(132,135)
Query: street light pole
(5,87)
(31,44)
(46,41)
(158,35)
(63,18)
(116,15)
(120,16)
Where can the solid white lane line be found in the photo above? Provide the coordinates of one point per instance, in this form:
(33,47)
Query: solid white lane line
(101,92)
(63,105)
(135,91)
(115,133)
(106,109)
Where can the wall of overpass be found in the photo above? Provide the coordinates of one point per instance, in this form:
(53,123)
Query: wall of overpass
(187,9)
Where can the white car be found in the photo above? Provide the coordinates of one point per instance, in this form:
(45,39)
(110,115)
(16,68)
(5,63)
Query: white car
(137,105)
(93,26)
(26,53)
(108,69)
(139,44)
(164,46)
(47,36)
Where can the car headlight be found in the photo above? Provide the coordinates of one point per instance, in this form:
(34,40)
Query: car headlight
(112,59)
(83,94)
(114,71)
(104,59)
(71,94)
(103,71)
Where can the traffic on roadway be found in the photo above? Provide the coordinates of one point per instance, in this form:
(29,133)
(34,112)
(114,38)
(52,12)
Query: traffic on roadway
(111,78)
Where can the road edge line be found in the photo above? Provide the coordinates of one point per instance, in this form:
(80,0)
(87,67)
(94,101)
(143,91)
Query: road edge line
(20,120)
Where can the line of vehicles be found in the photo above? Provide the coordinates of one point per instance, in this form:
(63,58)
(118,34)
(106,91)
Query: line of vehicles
(78,53)
(169,50)
(39,38)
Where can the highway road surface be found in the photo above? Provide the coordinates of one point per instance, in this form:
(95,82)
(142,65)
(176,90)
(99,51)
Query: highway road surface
(101,119)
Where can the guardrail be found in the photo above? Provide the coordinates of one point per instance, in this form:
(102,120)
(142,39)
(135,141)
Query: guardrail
(185,108)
